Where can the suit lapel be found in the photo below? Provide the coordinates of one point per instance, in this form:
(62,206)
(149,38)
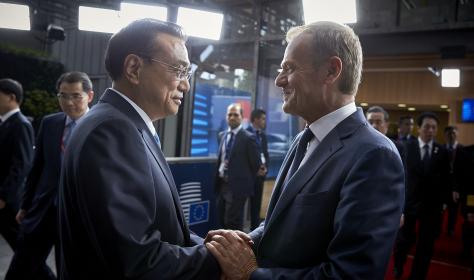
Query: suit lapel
(329,146)
(57,129)
(280,180)
(122,105)
(160,158)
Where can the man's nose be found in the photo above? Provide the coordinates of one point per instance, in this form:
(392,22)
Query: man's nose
(281,80)
(184,86)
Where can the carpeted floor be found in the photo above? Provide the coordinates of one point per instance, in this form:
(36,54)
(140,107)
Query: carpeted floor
(447,263)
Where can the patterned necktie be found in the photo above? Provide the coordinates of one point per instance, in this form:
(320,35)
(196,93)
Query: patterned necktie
(300,151)
(67,135)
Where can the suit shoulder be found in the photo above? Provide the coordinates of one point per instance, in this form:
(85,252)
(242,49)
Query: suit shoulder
(53,117)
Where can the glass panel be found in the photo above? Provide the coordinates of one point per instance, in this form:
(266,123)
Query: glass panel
(223,76)
(279,17)
(281,127)
(240,21)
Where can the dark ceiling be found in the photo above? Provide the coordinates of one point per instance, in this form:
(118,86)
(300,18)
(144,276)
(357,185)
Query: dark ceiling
(386,27)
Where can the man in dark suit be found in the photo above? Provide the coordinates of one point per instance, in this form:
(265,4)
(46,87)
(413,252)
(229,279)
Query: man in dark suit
(377,117)
(237,165)
(428,188)
(336,206)
(38,210)
(452,146)
(405,128)
(119,210)
(464,194)
(16,154)
(258,119)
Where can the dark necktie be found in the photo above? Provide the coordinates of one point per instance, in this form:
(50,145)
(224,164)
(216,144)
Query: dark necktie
(300,151)
(67,135)
(426,157)
(228,146)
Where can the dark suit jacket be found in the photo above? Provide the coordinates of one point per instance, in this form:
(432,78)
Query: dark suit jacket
(119,209)
(427,191)
(464,175)
(42,183)
(339,214)
(16,154)
(263,147)
(244,162)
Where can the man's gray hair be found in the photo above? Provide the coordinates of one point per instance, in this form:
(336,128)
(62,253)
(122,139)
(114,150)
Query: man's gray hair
(334,39)
(378,109)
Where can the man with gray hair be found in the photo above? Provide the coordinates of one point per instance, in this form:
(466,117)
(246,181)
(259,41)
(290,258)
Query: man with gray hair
(337,201)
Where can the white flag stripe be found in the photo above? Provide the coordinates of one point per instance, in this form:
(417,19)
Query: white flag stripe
(190,183)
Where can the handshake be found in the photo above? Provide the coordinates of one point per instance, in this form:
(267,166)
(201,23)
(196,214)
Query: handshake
(233,251)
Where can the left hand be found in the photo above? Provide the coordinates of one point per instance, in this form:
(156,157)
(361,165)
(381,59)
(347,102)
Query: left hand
(2,204)
(239,233)
(234,255)
(262,171)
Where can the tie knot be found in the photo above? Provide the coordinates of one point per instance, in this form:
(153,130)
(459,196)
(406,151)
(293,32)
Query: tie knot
(71,124)
(307,135)
(426,147)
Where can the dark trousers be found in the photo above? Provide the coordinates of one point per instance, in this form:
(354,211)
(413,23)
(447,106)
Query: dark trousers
(9,226)
(428,231)
(33,248)
(230,208)
(256,203)
(453,208)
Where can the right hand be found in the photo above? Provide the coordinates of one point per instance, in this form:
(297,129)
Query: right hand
(20,215)
(2,204)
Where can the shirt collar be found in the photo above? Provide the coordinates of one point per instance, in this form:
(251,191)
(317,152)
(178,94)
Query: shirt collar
(422,144)
(143,115)
(235,130)
(325,124)
(8,114)
(69,119)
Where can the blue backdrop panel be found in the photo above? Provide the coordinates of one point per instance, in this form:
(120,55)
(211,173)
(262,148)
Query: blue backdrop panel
(194,179)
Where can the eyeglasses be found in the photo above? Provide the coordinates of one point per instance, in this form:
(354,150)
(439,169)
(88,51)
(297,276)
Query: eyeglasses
(182,72)
(74,97)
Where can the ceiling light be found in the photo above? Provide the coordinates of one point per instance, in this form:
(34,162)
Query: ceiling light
(13,16)
(401,105)
(199,23)
(363,104)
(342,11)
(411,109)
(443,106)
(450,77)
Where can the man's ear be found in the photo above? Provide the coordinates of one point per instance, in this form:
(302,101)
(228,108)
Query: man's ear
(334,69)
(132,65)
(90,96)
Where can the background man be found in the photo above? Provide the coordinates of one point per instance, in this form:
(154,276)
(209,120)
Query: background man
(16,154)
(427,189)
(119,210)
(38,211)
(237,162)
(338,175)
(258,119)
(464,194)
(405,127)
(377,117)
(452,146)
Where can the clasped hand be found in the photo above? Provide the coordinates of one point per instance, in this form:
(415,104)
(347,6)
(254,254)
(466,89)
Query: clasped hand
(233,251)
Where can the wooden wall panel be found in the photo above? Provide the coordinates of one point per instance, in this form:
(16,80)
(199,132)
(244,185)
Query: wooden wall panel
(386,83)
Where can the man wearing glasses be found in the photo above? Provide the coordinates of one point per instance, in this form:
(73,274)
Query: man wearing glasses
(119,209)
(38,209)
